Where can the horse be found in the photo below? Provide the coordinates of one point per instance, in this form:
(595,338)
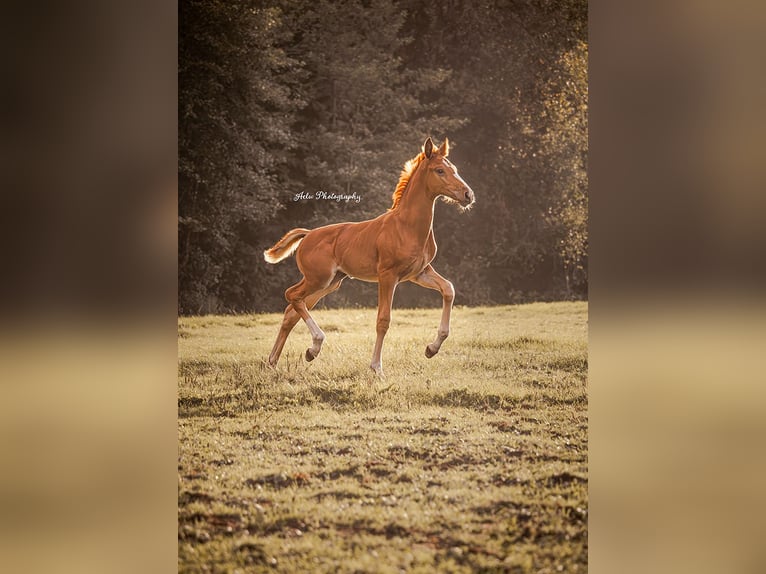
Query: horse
(394,247)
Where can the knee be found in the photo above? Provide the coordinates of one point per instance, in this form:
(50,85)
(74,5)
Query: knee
(449,292)
(383,323)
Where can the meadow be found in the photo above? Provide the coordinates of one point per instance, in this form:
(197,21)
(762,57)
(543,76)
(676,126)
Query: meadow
(473,461)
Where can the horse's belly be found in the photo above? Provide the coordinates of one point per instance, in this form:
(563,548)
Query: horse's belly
(363,252)
(357,269)
(405,269)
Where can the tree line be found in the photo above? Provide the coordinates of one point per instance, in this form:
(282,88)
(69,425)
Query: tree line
(283,97)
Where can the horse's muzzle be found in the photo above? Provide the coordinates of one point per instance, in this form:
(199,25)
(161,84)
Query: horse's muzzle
(468,198)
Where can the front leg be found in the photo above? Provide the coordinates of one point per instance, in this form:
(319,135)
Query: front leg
(432,280)
(386,288)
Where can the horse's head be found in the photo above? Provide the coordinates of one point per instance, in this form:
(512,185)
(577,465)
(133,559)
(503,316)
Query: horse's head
(442,178)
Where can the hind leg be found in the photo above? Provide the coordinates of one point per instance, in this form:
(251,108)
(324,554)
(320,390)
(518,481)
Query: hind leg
(292,317)
(290,320)
(302,303)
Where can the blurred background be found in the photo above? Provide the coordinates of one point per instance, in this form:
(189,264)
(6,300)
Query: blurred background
(678,277)
(88,194)
(290,96)
(676,266)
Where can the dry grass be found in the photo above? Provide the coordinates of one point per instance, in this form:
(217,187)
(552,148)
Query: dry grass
(475,460)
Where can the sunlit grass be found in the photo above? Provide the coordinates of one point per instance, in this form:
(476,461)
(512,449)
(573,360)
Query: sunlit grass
(476,458)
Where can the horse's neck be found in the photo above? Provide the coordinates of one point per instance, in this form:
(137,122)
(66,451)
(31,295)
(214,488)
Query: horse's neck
(417,209)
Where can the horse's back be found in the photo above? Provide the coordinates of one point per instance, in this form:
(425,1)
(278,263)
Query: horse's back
(349,247)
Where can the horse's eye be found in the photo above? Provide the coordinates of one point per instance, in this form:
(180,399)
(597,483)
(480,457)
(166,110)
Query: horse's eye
(440,171)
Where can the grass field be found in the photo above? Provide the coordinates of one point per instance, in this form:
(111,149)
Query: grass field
(474,460)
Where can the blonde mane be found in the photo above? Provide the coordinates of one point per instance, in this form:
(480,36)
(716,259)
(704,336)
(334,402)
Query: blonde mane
(404,178)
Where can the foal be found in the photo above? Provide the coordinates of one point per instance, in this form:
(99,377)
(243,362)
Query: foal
(394,247)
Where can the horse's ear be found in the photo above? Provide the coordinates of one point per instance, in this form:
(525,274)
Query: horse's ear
(428,148)
(444,148)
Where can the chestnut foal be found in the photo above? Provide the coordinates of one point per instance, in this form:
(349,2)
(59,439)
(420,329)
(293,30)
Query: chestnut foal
(394,247)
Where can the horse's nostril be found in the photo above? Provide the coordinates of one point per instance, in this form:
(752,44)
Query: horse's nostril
(468,196)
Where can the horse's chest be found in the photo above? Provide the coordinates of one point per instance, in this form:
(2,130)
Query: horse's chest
(413,262)
(405,254)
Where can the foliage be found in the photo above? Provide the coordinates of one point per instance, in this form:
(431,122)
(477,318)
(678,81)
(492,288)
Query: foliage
(237,97)
(566,144)
(288,96)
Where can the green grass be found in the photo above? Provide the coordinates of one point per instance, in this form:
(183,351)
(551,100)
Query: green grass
(474,460)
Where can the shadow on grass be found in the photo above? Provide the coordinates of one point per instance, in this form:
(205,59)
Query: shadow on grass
(465,398)
(514,344)
(576,364)
(345,396)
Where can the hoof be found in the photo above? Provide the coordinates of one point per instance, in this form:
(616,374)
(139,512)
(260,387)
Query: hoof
(429,352)
(309,356)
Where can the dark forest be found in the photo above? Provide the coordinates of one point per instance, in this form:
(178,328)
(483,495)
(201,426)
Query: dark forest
(284,97)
